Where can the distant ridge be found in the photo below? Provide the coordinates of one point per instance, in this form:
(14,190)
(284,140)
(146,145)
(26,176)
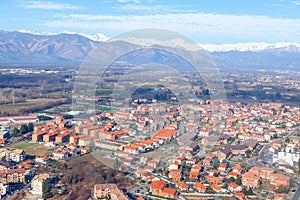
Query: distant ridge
(70,49)
(25,48)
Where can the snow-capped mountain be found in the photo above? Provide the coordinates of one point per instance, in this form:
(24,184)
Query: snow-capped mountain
(27,48)
(251,46)
(242,47)
(99,37)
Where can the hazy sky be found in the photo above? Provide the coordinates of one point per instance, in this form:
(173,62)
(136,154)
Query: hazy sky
(211,21)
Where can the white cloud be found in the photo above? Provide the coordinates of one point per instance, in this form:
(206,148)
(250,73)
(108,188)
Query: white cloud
(155,8)
(241,27)
(47,5)
(297,3)
(129,1)
(36,32)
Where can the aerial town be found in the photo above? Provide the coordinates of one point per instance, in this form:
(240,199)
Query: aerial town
(149,100)
(252,152)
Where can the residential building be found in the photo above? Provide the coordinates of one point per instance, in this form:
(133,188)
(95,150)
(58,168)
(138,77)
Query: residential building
(37,184)
(250,179)
(13,176)
(199,187)
(108,191)
(280,179)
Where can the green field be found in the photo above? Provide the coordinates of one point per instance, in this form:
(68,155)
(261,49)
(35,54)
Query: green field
(27,104)
(32,148)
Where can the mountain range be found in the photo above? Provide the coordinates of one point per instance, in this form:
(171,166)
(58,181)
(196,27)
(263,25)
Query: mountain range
(23,48)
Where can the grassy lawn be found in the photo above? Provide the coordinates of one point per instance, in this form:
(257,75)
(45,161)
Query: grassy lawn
(98,157)
(32,148)
(105,109)
(267,186)
(27,104)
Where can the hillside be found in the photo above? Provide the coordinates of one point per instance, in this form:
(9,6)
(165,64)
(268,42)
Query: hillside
(23,49)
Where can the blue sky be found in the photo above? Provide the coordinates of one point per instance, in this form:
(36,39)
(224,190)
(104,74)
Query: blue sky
(211,21)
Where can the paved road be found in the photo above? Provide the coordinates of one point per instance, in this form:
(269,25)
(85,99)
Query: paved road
(261,156)
(264,149)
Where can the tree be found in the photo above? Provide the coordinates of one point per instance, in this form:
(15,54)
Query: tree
(46,189)
(287,140)
(231,179)
(30,127)
(44,118)
(215,174)
(15,132)
(250,191)
(248,152)
(65,166)
(23,129)
(215,163)
(244,190)
(67,116)
(278,96)
(280,189)
(206,92)
(226,162)
(238,181)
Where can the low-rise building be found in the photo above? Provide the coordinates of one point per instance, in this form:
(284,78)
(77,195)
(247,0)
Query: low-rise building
(108,191)
(13,176)
(37,184)
(251,180)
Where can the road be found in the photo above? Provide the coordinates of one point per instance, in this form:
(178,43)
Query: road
(264,149)
(261,158)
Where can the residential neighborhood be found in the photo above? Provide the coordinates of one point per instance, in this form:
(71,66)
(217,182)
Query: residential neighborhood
(208,158)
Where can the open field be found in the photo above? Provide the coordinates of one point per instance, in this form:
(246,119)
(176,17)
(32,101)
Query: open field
(11,108)
(59,93)
(32,148)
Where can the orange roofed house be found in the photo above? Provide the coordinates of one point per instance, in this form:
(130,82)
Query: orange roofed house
(199,187)
(182,186)
(165,134)
(263,172)
(13,176)
(38,136)
(158,188)
(216,188)
(170,193)
(250,179)
(175,175)
(280,179)
(214,180)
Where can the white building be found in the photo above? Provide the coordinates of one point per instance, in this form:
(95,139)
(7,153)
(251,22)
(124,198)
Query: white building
(16,155)
(37,184)
(4,132)
(286,158)
(3,189)
(18,119)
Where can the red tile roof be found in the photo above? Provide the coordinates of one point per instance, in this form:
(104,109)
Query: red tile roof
(158,185)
